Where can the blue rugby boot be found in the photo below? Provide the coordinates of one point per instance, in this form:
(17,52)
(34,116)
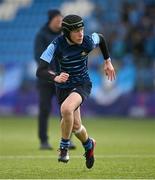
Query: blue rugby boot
(89,155)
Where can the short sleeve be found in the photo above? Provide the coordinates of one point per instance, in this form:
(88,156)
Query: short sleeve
(96,39)
(47,55)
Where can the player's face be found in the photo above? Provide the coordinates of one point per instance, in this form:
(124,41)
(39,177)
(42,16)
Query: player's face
(55,24)
(77,35)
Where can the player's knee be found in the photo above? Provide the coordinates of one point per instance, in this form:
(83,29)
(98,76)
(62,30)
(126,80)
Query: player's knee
(66,110)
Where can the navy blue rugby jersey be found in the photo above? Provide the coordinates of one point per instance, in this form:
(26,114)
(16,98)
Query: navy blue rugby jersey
(71,59)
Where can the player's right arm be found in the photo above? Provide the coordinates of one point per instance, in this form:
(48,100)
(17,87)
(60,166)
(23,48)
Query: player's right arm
(43,71)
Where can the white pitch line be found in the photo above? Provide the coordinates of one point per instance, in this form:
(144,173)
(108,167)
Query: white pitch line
(77,156)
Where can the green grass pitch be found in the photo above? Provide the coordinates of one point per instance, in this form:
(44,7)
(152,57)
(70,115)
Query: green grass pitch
(125,149)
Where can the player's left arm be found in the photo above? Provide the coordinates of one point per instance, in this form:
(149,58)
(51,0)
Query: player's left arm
(108,67)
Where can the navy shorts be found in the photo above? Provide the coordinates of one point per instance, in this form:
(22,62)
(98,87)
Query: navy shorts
(84,90)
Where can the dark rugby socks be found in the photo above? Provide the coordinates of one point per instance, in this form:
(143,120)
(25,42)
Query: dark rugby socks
(88,144)
(64,143)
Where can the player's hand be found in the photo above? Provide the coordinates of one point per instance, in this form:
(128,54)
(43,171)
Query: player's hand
(63,77)
(109,70)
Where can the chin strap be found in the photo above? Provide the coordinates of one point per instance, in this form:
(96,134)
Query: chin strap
(70,42)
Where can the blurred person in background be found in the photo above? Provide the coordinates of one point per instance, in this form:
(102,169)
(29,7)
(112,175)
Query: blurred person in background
(46,90)
(73,84)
